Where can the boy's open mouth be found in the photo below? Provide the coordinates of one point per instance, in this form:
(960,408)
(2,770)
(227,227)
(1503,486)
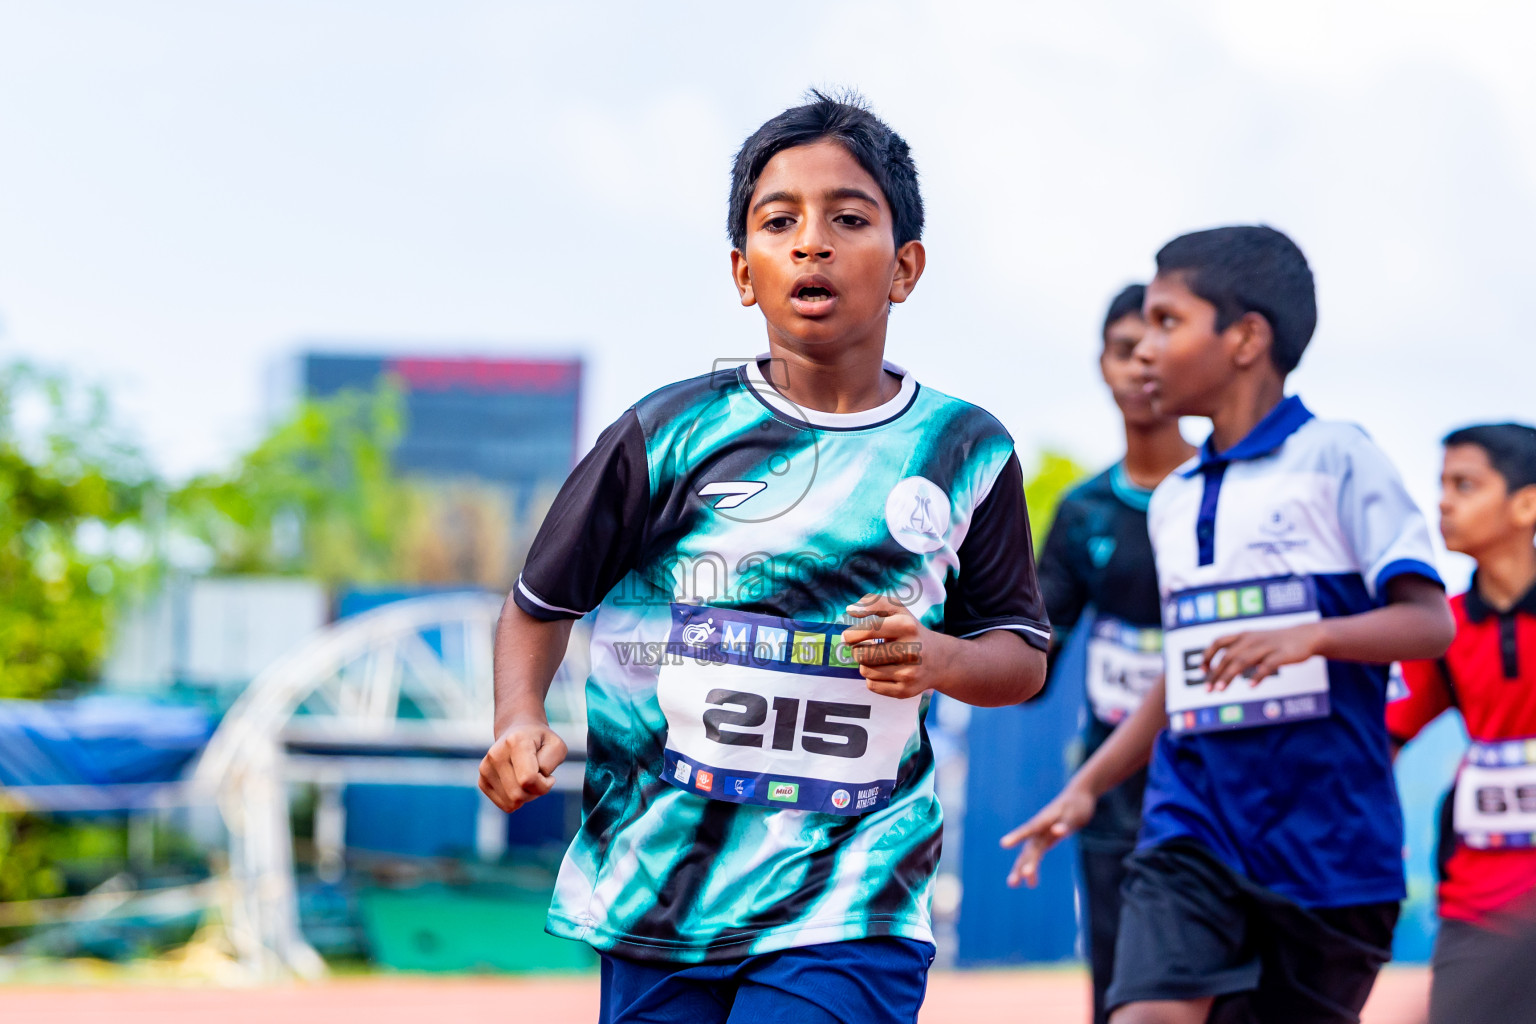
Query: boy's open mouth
(813,296)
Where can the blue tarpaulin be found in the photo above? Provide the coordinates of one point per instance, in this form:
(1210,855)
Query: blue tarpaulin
(98,741)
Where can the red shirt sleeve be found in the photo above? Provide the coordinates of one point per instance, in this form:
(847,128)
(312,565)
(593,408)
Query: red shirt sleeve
(1429,694)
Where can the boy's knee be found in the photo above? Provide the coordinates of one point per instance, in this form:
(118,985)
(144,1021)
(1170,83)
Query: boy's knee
(1163,1011)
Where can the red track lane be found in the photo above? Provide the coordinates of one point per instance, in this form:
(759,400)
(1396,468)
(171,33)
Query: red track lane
(1041,997)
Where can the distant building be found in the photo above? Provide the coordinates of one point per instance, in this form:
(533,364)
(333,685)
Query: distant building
(492,439)
(506,421)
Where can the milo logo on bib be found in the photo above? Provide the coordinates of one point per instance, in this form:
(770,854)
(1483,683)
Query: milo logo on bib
(773,711)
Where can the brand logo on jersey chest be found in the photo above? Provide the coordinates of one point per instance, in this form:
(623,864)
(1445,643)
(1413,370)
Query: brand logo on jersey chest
(732,492)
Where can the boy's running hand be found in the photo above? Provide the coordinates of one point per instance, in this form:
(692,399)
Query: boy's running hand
(889,644)
(1068,812)
(520,765)
(1258,655)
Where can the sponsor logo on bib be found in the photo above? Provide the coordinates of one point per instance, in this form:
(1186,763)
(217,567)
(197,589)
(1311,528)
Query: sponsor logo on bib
(683,772)
(840,799)
(785,792)
(705,780)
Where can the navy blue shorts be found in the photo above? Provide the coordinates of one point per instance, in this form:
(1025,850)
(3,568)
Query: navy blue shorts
(853,982)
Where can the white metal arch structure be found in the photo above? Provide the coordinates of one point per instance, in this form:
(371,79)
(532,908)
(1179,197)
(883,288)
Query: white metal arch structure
(413,676)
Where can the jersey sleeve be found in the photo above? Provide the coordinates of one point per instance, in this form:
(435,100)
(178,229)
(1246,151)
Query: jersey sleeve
(593,533)
(1428,696)
(1062,585)
(1384,528)
(997,587)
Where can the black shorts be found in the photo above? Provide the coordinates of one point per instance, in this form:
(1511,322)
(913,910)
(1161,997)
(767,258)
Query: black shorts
(1190,927)
(1483,976)
(1103,866)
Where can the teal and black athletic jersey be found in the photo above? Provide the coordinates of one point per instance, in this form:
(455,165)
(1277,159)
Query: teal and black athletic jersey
(1097,562)
(745,791)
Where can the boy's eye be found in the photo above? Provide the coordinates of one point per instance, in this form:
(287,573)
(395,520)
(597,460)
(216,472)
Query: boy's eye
(778,222)
(1167,323)
(852,220)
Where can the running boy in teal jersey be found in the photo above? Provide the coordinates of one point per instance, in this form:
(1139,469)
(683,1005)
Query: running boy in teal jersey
(784,557)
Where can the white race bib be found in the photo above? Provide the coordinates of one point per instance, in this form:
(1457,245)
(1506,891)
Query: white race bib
(1124,662)
(772,711)
(1495,805)
(1194,618)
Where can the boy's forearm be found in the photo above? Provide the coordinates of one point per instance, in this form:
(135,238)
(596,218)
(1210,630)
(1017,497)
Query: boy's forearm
(1128,748)
(1417,624)
(528,653)
(992,670)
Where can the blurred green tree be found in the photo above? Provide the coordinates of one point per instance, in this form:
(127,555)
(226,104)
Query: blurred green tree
(317,495)
(1056,473)
(73,492)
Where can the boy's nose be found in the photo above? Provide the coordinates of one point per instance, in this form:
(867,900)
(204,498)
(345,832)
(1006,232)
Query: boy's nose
(813,251)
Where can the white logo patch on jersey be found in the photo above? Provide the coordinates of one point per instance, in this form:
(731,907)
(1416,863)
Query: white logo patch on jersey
(735,491)
(917,514)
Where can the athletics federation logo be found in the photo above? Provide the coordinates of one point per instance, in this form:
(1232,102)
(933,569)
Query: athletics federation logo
(917,514)
(840,798)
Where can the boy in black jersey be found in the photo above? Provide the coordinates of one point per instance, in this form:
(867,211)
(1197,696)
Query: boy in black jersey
(1097,573)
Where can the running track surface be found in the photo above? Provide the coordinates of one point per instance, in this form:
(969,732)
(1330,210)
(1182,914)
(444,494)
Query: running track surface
(1039,997)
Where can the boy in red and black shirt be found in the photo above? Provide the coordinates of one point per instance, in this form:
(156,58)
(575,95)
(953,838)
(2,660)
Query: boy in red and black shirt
(1488,837)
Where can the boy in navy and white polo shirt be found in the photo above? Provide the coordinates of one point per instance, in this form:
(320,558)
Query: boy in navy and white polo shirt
(1293,567)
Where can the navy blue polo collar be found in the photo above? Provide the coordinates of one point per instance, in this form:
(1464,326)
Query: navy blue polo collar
(1268,434)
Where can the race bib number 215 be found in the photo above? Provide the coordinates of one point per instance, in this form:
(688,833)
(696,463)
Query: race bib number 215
(773,711)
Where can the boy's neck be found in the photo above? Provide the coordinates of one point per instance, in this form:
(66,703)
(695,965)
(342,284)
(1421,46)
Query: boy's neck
(1251,397)
(1152,452)
(833,380)
(1507,573)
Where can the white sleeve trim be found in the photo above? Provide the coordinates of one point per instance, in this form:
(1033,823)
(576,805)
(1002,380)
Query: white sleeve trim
(536,599)
(1043,634)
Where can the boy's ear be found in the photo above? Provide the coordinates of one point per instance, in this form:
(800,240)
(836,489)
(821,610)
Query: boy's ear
(910,261)
(743,278)
(1249,339)
(1522,505)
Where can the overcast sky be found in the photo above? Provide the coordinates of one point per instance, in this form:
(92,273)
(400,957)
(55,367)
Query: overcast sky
(190,192)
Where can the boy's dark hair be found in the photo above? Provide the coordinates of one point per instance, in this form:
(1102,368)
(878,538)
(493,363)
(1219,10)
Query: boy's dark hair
(848,122)
(1250,269)
(1510,447)
(1127,303)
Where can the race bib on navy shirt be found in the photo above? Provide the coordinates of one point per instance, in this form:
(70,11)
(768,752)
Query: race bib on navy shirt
(1197,617)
